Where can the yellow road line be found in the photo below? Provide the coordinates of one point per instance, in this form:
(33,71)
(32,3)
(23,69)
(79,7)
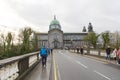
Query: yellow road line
(56,70)
(55,73)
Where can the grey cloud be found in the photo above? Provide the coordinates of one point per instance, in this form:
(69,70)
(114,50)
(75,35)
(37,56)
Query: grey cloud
(74,13)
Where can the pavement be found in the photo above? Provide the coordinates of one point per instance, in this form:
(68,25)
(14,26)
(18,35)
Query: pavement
(40,72)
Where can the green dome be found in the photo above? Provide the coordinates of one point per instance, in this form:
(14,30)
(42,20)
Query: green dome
(54,22)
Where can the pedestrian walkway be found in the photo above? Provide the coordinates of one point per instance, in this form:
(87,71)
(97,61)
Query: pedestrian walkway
(39,72)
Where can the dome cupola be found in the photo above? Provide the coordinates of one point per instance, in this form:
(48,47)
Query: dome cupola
(54,24)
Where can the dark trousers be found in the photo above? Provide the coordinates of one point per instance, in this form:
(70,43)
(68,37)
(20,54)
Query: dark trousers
(108,57)
(118,61)
(44,59)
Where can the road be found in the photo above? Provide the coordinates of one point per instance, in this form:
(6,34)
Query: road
(71,66)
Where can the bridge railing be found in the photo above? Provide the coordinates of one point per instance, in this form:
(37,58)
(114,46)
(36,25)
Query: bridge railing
(16,67)
(95,52)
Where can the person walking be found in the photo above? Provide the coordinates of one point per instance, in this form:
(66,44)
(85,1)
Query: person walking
(44,54)
(81,50)
(48,50)
(77,49)
(114,54)
(51,51)
(118,56)
(108,51)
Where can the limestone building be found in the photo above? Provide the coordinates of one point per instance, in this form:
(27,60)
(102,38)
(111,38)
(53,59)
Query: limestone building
(56,38)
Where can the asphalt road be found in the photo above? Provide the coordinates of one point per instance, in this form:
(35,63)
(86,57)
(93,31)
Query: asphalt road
(71,66)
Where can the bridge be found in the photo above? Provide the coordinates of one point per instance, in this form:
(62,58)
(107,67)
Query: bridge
(61,65)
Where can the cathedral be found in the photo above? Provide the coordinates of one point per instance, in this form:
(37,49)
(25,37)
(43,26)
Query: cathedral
(56,38)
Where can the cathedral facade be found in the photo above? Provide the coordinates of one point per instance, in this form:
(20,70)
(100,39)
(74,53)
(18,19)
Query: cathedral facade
(56,38)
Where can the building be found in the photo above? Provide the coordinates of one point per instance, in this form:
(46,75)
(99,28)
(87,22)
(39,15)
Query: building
(56,38)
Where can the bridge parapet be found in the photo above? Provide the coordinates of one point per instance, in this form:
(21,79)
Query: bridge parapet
(96,52)
(16,67)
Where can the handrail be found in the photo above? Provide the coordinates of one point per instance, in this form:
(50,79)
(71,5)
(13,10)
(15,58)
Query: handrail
(12,68)
(13,59)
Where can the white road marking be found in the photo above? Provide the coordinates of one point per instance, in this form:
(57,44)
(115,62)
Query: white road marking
(75,60)
(81,64)
(102,75)
(67,56)
(58,72)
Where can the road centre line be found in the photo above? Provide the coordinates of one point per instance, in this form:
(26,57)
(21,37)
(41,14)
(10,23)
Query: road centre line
(102,75)
(55,75)
(75,61)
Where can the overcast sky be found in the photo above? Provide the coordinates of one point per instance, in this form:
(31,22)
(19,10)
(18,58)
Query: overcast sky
(72,14)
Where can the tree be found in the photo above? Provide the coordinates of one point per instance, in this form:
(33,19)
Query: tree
(24,45)
(116,39)
(25,35)
(35,42)
(3,41)
(92,38)
(106,38)
(8,42)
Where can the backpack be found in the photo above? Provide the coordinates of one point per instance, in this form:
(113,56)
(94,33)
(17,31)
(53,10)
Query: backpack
(43,52)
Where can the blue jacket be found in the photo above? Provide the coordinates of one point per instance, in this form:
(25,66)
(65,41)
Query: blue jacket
(43,52)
